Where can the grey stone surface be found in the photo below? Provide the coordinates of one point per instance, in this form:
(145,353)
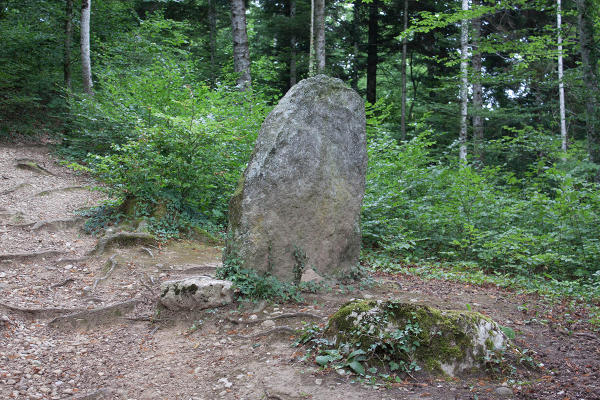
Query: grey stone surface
(196,292)
(298,202)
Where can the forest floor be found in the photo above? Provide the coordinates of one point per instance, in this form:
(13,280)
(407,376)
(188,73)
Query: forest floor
(117,345)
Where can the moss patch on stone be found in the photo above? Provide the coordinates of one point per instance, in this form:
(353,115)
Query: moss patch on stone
(448,342)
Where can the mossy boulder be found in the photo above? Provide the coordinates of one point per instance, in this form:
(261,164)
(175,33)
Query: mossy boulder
(453,343)
(297,205)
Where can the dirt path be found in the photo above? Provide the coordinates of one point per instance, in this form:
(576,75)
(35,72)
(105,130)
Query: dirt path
(137,353)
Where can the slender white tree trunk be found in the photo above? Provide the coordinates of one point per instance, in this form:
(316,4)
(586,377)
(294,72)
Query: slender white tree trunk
(86,64)
(464,82)
(311,51)
(320,35)
(561,87)
(241,54)
(292,45)
(477,89)
(212,23)
(404,45)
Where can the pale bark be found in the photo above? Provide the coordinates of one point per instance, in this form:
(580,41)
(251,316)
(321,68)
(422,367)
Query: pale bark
(372,52)
(212,38)
(589,64)
(241,53)
(355,40)
(561,86)
(477,90)
(403,71)
(320,35)
(311,51)
(86,64)
(464,82)
(293,67)
(68,40)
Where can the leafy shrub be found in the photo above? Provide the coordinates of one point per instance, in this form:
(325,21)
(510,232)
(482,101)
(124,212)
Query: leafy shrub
(155,134)
(417,209)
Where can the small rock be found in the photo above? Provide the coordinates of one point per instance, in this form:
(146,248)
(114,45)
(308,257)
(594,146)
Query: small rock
(318,381)
(504,391)
(253,317)
(196,292)
(225,382)
(310,275)
(268,323)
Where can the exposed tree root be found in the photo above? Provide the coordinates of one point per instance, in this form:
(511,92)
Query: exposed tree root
(63,283)
(32,165)
(90,318)
(72,260)
(281,316)
(147,250)
(22,257)
(279,329)
(19,186)
(111,263)
(97,395)
(57,224)
(40,312)
(122,237)
(62,189)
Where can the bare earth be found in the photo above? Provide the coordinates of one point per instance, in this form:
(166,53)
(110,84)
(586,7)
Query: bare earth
(132,351)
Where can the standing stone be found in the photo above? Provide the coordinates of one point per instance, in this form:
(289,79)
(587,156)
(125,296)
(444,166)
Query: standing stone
(298,203)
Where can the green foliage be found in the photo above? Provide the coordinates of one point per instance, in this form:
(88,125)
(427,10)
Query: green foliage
(30,65)
(155,134)
(419,209)
(390,351)
(255,286)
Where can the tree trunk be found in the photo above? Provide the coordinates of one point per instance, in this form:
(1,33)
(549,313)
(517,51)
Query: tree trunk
(372,52)
(68,40)
(293,67)
(241,54)
(589,62)
(415,85)
(355,40)
(320,35)
(311,50)
(403,67)
(561,86)
(477,90)
(464,82)
(212,26)
(86,64)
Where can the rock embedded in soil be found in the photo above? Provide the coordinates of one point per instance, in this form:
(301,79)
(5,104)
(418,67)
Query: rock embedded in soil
(197,292)
(454,343)
(298,203)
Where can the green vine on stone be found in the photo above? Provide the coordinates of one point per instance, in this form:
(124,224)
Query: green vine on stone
(300,264)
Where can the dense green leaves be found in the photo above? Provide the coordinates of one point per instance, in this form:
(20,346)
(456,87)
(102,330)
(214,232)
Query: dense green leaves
(419,209)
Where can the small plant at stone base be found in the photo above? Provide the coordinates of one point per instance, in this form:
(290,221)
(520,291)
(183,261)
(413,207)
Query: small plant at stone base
(300,264)
(253,285)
